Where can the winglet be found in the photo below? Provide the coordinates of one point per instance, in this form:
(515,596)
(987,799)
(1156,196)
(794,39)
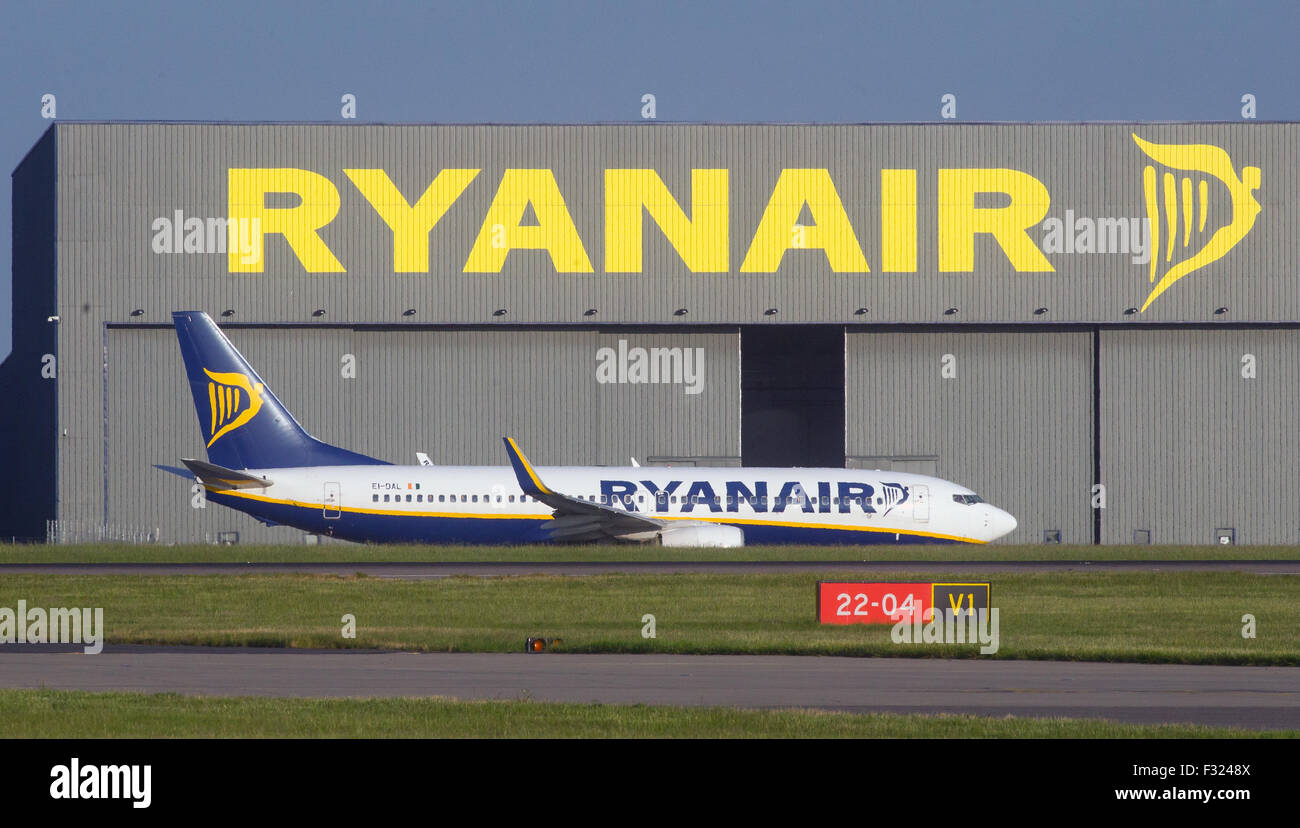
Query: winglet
(528,479)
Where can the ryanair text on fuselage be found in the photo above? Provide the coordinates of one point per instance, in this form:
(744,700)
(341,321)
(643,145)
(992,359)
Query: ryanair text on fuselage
(822,498)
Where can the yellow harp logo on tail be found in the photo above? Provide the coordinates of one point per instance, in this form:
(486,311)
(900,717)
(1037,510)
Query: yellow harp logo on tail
(232,400)
(1168,195)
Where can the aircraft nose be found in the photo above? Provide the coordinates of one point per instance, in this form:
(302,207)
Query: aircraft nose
(1004,523)
(998,522)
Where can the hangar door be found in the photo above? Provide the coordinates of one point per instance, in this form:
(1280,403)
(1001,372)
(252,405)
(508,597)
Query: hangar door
(1198,436)
(1007,414)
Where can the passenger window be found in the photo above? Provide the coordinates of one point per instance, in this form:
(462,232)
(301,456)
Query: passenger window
(374,498)
(408,498)
(385,498)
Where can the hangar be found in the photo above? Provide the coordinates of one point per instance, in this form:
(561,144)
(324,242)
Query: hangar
(1094,325)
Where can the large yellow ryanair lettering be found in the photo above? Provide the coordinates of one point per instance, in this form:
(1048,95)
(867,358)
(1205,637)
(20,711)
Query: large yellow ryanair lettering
(247,189)
(831,231)
(700,240)
(411,224)
(554,232)
(898,221)
(960,220)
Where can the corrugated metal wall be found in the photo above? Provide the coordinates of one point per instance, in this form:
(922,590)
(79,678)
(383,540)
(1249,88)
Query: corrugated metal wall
(1014,423)
(1190,445)
(452,394)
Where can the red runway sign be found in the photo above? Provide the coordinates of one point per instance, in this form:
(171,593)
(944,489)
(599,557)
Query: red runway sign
(870,603)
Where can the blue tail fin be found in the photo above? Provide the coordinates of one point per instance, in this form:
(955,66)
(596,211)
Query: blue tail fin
(243,423)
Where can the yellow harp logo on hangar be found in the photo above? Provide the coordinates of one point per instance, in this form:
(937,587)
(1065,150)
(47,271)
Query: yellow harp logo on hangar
(1165,197)
(233,400)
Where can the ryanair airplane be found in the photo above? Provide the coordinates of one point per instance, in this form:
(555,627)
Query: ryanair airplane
(261,461)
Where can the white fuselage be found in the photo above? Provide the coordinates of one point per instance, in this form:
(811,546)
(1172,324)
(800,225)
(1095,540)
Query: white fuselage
(486,504)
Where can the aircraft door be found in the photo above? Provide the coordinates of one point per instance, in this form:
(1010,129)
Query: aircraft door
(921,504)
(333,501)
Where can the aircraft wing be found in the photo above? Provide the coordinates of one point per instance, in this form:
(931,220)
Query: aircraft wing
(577,519)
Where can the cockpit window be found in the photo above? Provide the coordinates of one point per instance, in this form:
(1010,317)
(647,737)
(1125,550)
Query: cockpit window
(967,499)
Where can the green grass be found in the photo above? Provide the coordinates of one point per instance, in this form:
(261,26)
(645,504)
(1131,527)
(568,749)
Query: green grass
(79,715)
(348,553)
(1187,617)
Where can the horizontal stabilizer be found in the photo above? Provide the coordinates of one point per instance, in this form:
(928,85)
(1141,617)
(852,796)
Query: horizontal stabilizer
(176,470)
(220,477)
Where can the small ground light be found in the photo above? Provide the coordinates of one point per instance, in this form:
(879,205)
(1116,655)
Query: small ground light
(1220,311)
(950,312)
(500,312)
(862,311)
(409,312)
(319,312)
(771,312)
(680,312)
(1130,311)
(1039,311)
(140,312)
(589,312)
(540,645)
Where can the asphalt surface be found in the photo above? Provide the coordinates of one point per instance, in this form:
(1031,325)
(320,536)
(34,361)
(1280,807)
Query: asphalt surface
(422,571)
(1248,697)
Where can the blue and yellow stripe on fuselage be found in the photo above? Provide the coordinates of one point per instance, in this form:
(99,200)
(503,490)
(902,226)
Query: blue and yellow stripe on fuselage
(393,526)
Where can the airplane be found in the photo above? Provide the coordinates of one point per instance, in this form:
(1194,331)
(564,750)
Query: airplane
(262,462)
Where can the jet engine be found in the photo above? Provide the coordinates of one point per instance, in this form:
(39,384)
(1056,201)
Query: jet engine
(702,534)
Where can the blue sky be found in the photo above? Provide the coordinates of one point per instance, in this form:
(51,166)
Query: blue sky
(580,62)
